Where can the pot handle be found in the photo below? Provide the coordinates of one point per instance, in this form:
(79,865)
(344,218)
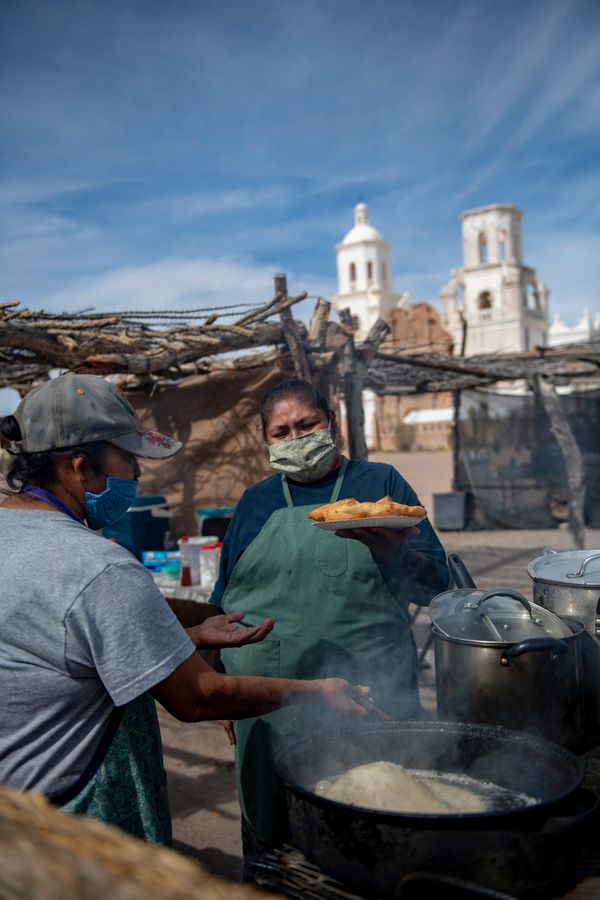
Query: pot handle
(583,566)
(499,591)
(461,575)
(562,824)
(531,644)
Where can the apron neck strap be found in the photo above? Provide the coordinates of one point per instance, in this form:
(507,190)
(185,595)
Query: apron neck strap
(42,494)
(336,488)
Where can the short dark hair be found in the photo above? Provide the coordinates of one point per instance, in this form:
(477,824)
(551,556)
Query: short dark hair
(40,468)
(292,387)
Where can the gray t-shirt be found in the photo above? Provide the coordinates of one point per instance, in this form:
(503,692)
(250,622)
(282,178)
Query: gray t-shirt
(83,628)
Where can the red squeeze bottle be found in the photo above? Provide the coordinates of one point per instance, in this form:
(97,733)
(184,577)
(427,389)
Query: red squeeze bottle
(185,578)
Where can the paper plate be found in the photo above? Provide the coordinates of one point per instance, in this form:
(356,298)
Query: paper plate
(372,522)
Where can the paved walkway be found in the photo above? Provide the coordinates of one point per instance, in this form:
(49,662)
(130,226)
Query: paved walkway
(198,758)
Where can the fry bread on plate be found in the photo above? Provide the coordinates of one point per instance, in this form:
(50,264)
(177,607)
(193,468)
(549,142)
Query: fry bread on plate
(351,509)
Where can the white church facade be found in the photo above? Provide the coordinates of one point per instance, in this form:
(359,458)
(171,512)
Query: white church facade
(495,303)
(586,330)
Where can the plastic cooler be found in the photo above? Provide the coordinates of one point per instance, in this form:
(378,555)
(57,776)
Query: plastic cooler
(143,527)
(214,520)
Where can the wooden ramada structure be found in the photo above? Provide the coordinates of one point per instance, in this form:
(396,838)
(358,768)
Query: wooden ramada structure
(195,366)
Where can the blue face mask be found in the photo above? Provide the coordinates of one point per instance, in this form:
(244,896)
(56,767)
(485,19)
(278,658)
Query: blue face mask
(114,501)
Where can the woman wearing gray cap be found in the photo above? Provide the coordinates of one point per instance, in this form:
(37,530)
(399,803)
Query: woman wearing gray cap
(87,641)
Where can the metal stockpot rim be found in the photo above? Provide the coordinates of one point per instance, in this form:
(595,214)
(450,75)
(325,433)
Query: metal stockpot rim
(577,628)
(575,565)
(462,613)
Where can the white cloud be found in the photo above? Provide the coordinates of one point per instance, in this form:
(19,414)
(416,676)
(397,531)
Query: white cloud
(568,263)
(169,284)
(516,66)
(208,203)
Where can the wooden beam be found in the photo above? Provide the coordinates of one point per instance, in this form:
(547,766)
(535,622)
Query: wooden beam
(370,345)
(446,366)
(569,448)
(290,333)
(273,307)
(207,345)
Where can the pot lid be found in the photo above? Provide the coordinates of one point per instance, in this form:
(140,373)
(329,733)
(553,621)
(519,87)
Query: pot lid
(500,615)
(569,568)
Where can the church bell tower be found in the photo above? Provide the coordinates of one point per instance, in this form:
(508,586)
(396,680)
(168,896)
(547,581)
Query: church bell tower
(364,274)
(502,302)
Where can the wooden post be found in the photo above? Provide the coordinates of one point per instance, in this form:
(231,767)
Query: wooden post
(368,350)
(290,333)
(456,485)
(353,376)
(317,329)
(463,341)
(569,448)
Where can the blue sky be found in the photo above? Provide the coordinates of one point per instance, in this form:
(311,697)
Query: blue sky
(177,153)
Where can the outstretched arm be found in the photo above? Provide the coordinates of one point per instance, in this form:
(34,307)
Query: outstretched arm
(195,692)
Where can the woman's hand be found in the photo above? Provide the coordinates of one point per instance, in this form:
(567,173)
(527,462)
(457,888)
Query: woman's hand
(382,542)
(218,632)
(354,699)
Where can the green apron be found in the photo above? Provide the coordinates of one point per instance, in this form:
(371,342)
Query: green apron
(335,617)
(129,787)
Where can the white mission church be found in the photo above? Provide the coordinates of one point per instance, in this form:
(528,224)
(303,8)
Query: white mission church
(502,301)
(503,304)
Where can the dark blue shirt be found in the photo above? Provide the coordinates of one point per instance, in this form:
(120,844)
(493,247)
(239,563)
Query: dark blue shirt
(365,481)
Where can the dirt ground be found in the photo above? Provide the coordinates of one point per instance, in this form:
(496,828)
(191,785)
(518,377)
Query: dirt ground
(198,758)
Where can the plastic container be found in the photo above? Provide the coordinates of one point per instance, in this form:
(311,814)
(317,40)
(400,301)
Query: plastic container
(159,560)
(190,548)
(209,566)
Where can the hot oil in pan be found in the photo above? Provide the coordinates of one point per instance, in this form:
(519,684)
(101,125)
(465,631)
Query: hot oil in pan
(393,788)
(459,791)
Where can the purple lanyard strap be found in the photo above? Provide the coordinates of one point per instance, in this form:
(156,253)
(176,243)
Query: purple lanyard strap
(41,494)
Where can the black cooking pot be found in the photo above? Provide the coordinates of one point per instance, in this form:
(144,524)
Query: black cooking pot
(524,851)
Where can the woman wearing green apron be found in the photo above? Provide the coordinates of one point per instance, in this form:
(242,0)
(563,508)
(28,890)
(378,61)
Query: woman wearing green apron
(87,641)
(340,600)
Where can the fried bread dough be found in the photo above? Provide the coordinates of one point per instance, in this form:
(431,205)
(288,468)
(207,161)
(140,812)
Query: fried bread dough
(343,510)
(389,786)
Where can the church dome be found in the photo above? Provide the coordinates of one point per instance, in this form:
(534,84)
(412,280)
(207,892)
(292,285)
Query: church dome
(362,231)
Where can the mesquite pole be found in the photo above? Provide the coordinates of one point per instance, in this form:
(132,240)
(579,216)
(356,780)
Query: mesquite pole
(569,448)
(290,333)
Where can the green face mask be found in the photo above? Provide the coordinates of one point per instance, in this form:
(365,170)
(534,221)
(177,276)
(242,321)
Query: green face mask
(305,458)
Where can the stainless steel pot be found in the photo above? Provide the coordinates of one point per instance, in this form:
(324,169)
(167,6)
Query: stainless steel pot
(503,661)
(568,584)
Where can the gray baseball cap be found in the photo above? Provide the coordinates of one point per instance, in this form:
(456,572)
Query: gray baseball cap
(77,409)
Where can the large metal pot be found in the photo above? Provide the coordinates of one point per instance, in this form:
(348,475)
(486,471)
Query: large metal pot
(523,851)
(568,584)
(504,661)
